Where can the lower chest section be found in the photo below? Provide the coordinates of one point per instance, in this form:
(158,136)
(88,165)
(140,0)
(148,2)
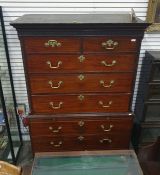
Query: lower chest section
(80,133)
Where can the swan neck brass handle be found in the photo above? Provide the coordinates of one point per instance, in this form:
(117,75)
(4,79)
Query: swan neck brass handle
(55,87)
(109,44)
(54,67)
(52,43)
(105,106)
(105,140)
(56,145)
(108,129)
(107,86)
(55,130)
(109,65)
(55,107)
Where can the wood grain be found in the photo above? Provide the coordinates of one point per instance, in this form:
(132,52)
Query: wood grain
(71,83)
(125,44)
(71,63)
(37,44)
(42,127)
(89,142)
(72,104)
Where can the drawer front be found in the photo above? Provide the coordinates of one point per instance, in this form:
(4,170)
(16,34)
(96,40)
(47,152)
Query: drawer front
(110,141)
(111,44)
(81,126)
(80,142)
(149,133)
(154,92)
(51,44)
(75,83)
(50,63)
(152,111)
(50,104)
(155,76)
(49,144)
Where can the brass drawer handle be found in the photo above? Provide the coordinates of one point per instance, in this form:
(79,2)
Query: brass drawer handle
(105,106)
(55,130)
(81,123)
(107,130)
(55,107)
(54,67)
(110,44)
(52,43)
(105,140)
(81,58)
(107,86)
(55,87)
(56,145)
(80,138)
(109,65)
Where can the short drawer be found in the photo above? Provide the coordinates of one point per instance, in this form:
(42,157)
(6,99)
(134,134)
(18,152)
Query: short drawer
(49,127)
(80,142)
(75,83)
(110,141)
(155,72)
(51,44)
(150,131)
(58,63)
(61,103)
(111,44)
(152,111)
(48,143)
(154,91)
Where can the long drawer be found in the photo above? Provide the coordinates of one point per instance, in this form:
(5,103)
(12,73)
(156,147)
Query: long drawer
(59,63)
(75,83)
(77,103)
(81,142)
(41,127)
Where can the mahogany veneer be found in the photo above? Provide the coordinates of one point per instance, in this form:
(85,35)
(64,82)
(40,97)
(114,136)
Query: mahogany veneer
(71,83)
(71,63)
(80,72)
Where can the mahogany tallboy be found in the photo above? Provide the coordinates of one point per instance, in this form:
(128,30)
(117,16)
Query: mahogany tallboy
(80,71)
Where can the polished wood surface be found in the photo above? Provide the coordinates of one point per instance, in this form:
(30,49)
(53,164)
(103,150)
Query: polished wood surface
(80,142)
(38,44)
(72,63)
(72,103)
(50,127)
(75,83)
(7,168)
(77,19)
(80,72)
(124,44)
